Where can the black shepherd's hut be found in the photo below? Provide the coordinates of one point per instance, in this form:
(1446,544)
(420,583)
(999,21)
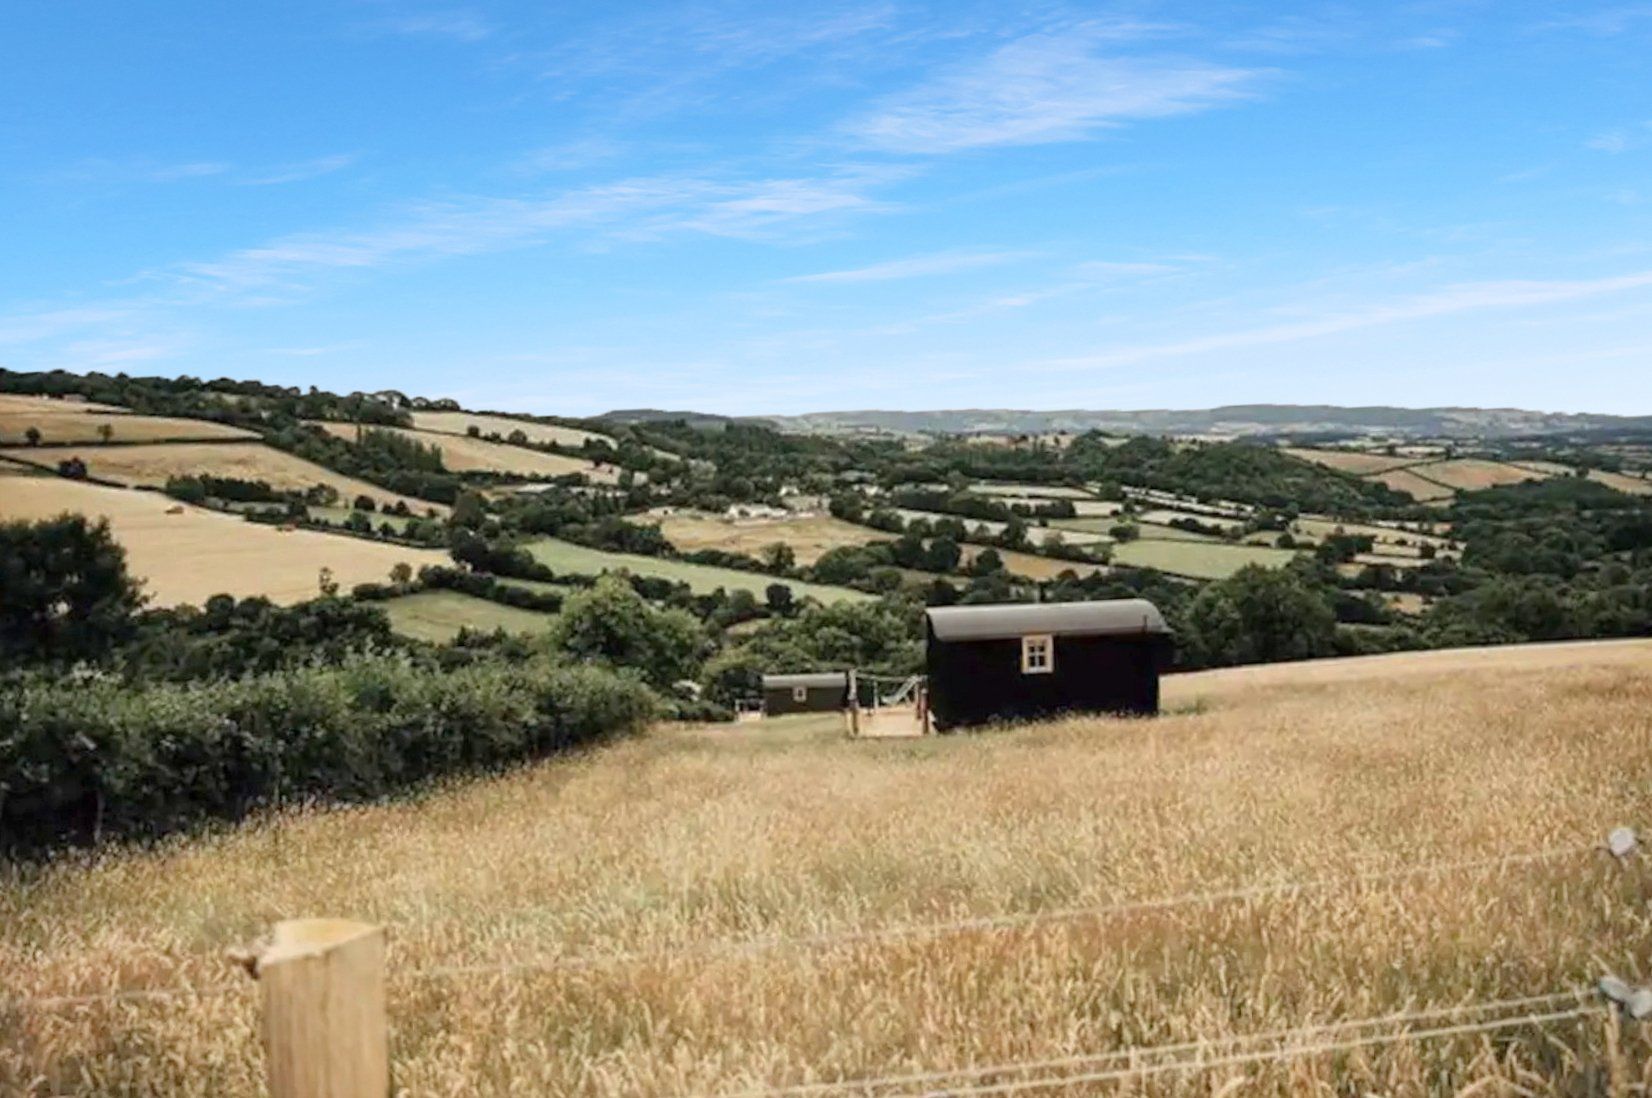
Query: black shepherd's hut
(1031,660)
(821,692)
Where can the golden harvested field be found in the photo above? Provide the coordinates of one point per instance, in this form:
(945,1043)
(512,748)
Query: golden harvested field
(734,889)
(18,404)
(1358,462)
(1547,468)
(460,423)
(1635,486)
(1092,508)
(1471,474)
(1404,480)
(59,422)
(194,554)
(810,537)
(462,454)
(151,466)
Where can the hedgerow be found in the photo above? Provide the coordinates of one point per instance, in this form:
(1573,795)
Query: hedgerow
(90,757)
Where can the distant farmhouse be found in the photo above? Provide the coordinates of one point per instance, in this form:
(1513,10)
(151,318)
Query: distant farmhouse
(1021,662)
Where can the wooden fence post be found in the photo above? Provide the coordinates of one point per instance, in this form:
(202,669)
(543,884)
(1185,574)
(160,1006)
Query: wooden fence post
(325,1034)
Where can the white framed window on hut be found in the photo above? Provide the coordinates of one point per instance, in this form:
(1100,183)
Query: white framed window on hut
(800,693)
(1038,654)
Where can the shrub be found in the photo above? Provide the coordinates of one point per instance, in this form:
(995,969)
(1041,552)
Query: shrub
(93,757)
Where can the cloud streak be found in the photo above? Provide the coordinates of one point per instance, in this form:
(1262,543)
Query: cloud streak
(455,25)
(1045,88)
(635,209)
(921,266)
(1448,301)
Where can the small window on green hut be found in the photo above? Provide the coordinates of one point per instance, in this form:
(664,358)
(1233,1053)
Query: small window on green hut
(1037,655)
(800,693)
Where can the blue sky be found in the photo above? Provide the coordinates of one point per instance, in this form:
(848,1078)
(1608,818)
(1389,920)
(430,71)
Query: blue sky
(754,208)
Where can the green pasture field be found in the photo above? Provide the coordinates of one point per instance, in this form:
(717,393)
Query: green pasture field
(1198,559)
(438,616)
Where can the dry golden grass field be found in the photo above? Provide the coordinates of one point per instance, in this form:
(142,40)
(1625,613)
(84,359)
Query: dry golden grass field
(194,554)
(462,454)
(59,422)
(17,403)
(151,466)
(809,536)
(713,911)
(1418,488)
(459,423)
(1472,474)
(1351,461)
(1635,486)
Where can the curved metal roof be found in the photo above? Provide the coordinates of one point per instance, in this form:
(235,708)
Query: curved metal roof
(1109,617)
(812,678)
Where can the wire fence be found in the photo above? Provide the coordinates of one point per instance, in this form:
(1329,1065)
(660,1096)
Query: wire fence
(1143,1060)
(1130,1063)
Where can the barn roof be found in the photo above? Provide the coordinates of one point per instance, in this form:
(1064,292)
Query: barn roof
(814,678)
(1117,617)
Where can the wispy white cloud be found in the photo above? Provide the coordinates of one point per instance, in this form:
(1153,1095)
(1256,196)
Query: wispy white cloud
(170,173)
(1045,88)
(1447,301)
(299,171)
(316,351)
(143,170)
(642,208)
(1609,21)
(35,325)
(919,266)
(457,24)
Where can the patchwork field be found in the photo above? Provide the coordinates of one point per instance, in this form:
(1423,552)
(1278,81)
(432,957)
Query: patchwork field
(809,537)
(439,616)
(17,403)
(1037,535)
(460,423)
(1147,530)
(186,555)
(1198,559)
(59,422)
(1028,491)
(1635,486)
(1417,487)
(563,556)
(1164,517)
(1357,462)
(152,466)
(1321,528)
(1091,508)
(462,454)
(1471,474)
(768,905)
(1032,566)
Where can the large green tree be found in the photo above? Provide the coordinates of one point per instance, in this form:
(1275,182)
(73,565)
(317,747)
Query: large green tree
(65,593)
(1259,615)
(611,624)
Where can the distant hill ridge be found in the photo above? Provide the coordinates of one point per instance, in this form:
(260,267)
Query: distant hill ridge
(1232,419)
